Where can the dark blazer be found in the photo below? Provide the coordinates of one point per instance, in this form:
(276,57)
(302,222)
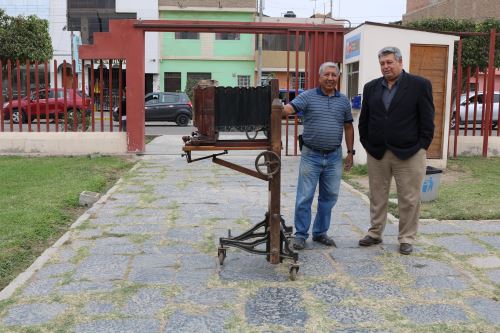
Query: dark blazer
(406,127)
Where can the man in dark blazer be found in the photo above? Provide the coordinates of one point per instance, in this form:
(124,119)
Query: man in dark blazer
(396,127)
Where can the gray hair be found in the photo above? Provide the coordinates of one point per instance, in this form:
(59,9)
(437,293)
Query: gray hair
(390,50)
(326,65)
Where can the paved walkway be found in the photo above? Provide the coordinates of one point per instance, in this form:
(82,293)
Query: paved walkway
(144,259)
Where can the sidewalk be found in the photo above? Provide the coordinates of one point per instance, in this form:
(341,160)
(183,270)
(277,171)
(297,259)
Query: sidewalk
(144,259)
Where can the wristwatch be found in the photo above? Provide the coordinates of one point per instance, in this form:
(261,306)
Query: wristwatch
(353,152)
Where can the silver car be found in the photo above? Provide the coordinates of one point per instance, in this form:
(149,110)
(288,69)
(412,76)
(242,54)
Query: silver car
(467,107)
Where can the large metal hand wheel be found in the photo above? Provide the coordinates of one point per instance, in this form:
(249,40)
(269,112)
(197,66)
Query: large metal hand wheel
(271,162)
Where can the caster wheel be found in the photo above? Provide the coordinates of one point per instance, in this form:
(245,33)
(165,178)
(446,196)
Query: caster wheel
(293,273)
(222,256)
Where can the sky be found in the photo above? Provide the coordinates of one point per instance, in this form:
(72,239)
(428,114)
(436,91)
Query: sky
(26,7)
(356,11)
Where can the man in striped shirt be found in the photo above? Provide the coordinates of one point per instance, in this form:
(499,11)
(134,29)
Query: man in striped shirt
(326,115)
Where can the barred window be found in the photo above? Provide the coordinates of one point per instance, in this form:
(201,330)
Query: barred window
(187,35)
(352,79)
(227,36)
(243,80)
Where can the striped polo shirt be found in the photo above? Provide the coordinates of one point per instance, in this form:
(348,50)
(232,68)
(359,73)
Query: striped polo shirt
(324,117)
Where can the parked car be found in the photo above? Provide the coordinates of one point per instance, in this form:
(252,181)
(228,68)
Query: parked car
(166,106)
(479,111)
(53,107)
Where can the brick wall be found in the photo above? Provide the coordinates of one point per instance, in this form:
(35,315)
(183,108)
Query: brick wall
(210,3)
(477,10)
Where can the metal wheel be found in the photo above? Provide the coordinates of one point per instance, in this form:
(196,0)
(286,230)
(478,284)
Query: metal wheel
(222,256)
(294,270)
(15,116)
(271,162)
(251,135)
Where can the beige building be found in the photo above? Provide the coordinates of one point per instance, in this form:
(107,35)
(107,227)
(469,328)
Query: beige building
(477,10)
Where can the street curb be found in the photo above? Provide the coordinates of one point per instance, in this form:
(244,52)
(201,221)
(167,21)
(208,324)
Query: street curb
(21,279)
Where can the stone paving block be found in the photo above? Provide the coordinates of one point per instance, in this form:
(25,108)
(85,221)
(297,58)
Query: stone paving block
(379,290)
(114,245)
(486,308)
(213,321)
(89,233)
(139,229)
(491,240)
(119,326)
(356,254)
(41,287)
(426,267)
(360,330)
(315,264)
(33,314)
(197,261)
(65,254)
(353,314)
(51,270)
(85,286)
(440,282)
(147,302)
(362,269)
(152,275)
(278,306)
(240,266)
(494,275)
(98,308)
(153,248)
(154,260)
(330,292)
(102,267)
(460,245)
(483,226)
(217,296)
(110,212)
(189,235)
(434,313)
(485,262)
(439,228)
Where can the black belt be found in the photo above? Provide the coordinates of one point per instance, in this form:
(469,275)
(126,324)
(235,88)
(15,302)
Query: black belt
(321,151)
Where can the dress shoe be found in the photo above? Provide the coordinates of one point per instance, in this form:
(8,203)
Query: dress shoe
(325,240)
(369,241)
(405,248)
(299,243)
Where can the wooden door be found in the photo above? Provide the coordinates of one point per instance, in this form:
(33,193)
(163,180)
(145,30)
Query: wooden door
(431,62)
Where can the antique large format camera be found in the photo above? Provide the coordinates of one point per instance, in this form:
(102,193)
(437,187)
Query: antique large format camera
(249,110)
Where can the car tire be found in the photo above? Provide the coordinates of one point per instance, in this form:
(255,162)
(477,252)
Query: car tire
(182,119)
(452,123)
(16,115)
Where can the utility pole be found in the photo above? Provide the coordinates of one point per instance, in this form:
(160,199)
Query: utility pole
(259,52)
(331,8)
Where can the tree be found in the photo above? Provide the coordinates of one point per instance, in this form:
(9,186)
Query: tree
(24,38)
(475,49)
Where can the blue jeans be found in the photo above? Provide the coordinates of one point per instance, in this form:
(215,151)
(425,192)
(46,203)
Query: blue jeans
(325,169)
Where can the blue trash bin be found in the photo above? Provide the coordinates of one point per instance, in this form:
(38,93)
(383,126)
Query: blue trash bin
(430,185)
(356,102)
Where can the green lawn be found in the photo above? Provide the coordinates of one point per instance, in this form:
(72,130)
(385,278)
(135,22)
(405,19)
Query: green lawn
(39,201)
(469,189)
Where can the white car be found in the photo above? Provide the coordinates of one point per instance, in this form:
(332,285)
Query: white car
(467,106)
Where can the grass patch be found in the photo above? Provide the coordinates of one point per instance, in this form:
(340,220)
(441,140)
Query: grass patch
(468,190)
(39,199)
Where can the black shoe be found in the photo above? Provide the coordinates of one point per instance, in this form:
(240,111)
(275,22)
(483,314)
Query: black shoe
(369,241)
(405,248)
(325,240)
(299,243)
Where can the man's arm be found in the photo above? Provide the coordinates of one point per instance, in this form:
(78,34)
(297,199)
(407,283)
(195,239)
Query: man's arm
(349,140)
(287,110)
(426,114)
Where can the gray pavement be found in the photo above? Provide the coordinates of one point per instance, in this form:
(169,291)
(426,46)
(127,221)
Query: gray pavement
(144,259)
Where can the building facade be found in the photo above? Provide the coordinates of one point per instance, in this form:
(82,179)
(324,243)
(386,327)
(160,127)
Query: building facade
(477,10)
(225,57)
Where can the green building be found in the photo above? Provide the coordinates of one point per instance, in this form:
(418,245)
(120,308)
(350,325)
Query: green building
(228,58)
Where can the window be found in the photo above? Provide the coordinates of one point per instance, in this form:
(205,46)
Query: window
(172,81)
(302,79)
(243,80)
(227,36)
(279,42)
(198,76)
(265,78)
(352,79)
(170,98)
(187,35)
(152,99)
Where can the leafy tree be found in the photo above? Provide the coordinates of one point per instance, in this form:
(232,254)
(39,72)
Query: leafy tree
(24,38)
(475,49)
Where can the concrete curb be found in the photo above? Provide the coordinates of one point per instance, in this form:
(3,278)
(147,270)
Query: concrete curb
(8,291)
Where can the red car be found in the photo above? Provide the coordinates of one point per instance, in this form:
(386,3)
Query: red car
(53,107)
